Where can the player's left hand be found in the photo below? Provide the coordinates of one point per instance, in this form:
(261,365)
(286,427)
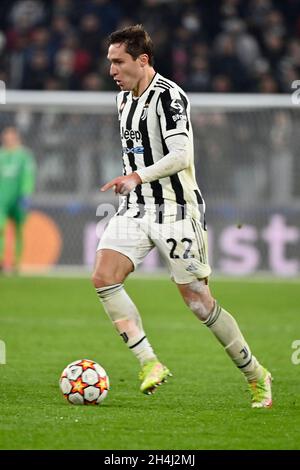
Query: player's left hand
(123,184)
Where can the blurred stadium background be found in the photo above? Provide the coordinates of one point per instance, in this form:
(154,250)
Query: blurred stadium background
(238,59)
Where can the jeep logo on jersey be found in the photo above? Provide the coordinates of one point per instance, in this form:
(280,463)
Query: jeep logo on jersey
(131,134)
(178,106)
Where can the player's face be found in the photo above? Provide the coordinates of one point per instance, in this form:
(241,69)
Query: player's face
(9,137)
(126,71)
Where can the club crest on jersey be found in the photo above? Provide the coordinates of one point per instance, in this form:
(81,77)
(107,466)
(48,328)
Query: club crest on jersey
(145,112)
(121,109)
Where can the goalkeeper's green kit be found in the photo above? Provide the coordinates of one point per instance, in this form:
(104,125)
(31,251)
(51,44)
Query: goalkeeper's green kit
(17,178)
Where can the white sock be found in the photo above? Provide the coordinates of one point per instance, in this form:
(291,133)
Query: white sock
(227,331)
(126,319)
(140,347)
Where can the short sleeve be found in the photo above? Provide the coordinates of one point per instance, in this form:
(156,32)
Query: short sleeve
(173,113)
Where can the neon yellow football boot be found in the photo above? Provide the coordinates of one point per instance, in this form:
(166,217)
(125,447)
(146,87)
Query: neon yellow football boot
(153,374)
(261,393)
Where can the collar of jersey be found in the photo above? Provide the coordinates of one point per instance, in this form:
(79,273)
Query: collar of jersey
(138,97)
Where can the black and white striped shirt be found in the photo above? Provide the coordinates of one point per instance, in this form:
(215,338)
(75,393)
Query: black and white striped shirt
(146,123)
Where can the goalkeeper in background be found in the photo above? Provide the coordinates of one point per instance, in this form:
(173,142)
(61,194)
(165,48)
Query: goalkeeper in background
(17,180)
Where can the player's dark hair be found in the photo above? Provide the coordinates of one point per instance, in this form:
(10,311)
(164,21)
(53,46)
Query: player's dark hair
(136,40)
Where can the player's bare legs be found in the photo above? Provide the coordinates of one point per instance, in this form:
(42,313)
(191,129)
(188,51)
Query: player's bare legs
(19,227)
(111,269)
(198,298)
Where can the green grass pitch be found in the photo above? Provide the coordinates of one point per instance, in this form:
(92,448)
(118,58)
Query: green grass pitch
(47,323)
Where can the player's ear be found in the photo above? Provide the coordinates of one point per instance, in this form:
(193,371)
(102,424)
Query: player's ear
(144,59)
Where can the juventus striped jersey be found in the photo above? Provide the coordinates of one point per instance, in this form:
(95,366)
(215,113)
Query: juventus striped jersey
(146,124)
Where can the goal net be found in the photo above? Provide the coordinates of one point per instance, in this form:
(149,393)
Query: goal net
(247,166)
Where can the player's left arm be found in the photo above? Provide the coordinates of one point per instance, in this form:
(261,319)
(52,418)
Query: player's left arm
(123,184)
(29,174)
(175,161)
(173,116)
(27,180)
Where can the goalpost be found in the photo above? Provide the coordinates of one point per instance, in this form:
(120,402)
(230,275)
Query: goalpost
(247,165)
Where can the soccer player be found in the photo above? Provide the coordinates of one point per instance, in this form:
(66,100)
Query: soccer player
(17,179)
(161,206)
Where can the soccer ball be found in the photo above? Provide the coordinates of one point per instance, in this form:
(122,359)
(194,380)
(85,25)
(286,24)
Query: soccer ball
(84,382)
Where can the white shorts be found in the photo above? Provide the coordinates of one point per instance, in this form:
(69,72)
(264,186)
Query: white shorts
(182,244)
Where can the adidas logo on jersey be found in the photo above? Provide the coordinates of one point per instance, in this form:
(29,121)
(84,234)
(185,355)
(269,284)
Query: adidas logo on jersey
(191,268)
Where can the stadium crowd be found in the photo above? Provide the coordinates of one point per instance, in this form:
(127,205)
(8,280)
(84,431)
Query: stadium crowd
(205,46)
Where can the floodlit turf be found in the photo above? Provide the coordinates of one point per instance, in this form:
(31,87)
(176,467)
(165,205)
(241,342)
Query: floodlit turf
(47,323)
